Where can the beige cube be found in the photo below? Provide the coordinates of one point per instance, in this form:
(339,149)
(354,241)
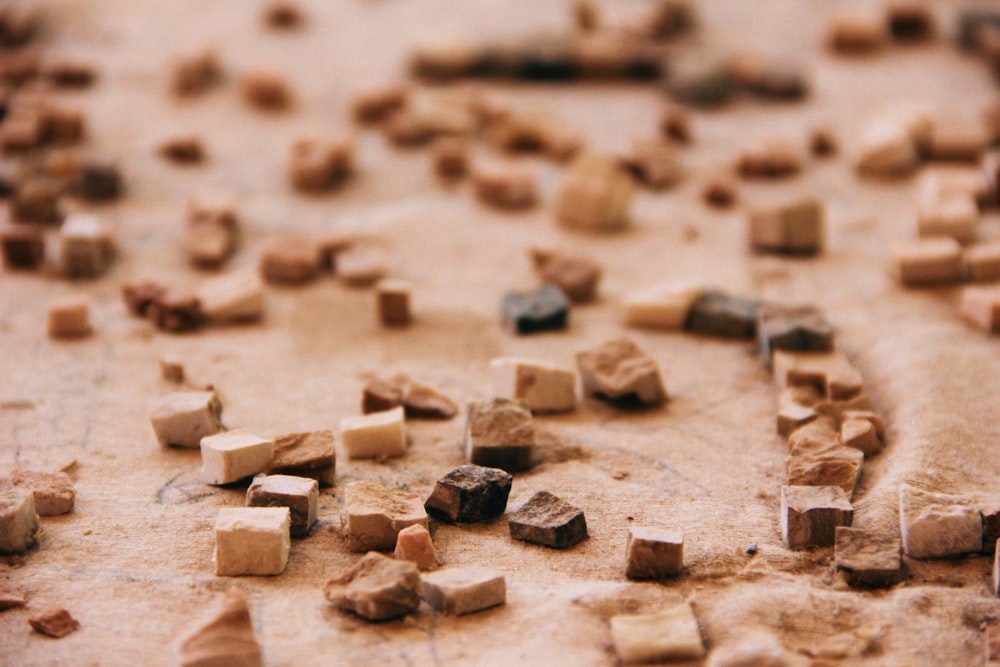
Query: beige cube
(811,514)
(230,456)
(663,306)
(938,525)
(941,181)
(982,260)
(251,540)
(981,307)
(667,635)
(954,215)
(18,520)
(183,418)
(595,195)
(86,246)
(374,515)
(69,316)
(829,372)
(378,435)
(887,149)
(544,387)
(53,491)
(234,297)
(653,553)
(933,260)
(464,590)
(796,228)
(393,302)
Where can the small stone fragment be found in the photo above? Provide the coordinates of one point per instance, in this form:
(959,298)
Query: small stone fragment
(500,434)
(18,520)
(450,158)
(668,635)
(376,588)
(69,317)
(374,515)
(266,90)
(234,297)
(505,185)
(810,515)
(818,436)
(374,104)
(232,455)
(664,306)
(938,525)
(928,261)
(543,309)
(549,521)
(469,493)
(414,544)
(719,191)
(464,590)
(37,199)
(796,408)
(910,21)
(419,401)
(195,72)
(830,372)
(618,370)
(138,297)
(653,163)
(251,540)
(299,494)
(54,622)
(378,435)
(10,598)
(289,260)
(957,138)
(53,491)
(183,418)
(535,131)
(392,298)
(771,159)
(823,142)
(100,181)
(837,467)
(870,559)
(595,196)
(716,313)
(310,454)
(224,635)
(701,80)
(360,266)
(182,149)
(856,34)
(653,553)
(794,228)
(23,246)
(86,246)
(318,164)
(982,260)
(212,229)
(675,123)
(886,150)
(861,434)
(283,14)
(171,369)
(544,387)
(981,307)
(770,78)
(798,328)
(955,215)
(577,276)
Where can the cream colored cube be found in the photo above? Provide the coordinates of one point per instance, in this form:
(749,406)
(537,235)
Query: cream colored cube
(234,297)
(464,590)
(663,306)
(18,520)
(252,540)
(233,455)
(374,436)
(955,215)
(667,635)
(183,418)
(544,387)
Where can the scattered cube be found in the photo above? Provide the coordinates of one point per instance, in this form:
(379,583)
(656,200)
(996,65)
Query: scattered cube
(320,164)
(86,246)
(469,493)
(823,142)
(500,434)
(175,311)
(819,436)
(535,131)
(289,260)
(595,196)
(716,313)
(464,590)
(798,328)
(870,559)
(910,21)
(929,261)
(795,228)
(310,454)
(183,418)
(982,260)
(53,491)
(667,635)
(299,494)
(393,302)
(664,306)
(701,82)
(223,635)
(618,370)
(10,598)
(376,588)
(938,525)
(675,123)
(957,138)
(234,297)
(811,514)
(939,182)
(251,540)
(829,372)
(544,387)
(653,163)
(374,515)
(772,159)
(100,181)
(378,435)
(361,266)
(53,622)
(856,33)
(719,191)
(981,306)
(543,309)
(212,229)
(419,401)
(954,215)
(796,408)
(887,149)
(232,455)
(862,434)
(575,275)
(266,90)
(69,316)
(505,185)
(23,246)
(171,369)
(548,520)
(414,544)
(182,149)
(282,14)
(450,157)
(195,72)
(653,553)
(138,297)
(18,520)
(376,103)
(839,467)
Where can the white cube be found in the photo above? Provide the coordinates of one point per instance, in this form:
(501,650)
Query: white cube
(464,590)
(543,386)
(233,455)
(374,436)
(252,540)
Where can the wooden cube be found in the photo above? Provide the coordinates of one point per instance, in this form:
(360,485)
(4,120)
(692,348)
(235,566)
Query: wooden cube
(870,559)
(810,515)
(500,434)
(797,328)
(183,418)
(251,540)
(981,307)
(796,228)
(954,215)
(464,590)
(393,302)
(18,520)
(233,297)
(299,494)
(653,553)
(938,525)
(664,306)
(69,316)
(669,635)
(232,455)
(982,260)
(374,515)
(374,436)
(543,386)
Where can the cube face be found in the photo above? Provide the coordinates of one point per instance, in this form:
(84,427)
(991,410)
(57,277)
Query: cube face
(230,456)
(183,418)
(549,521)
(663,306)
(464,590)
(374,515)
(252,540)
(299,494)
(668,635)
(376,435)
(937,525)
(69,317)
(470,493)
(810,515)
(653,553)
(500,434)
(53,492)
(839,467)
(542,386)
(18,521)
(870,559)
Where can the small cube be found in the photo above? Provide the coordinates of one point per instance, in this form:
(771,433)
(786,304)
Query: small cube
(183,418)
(53,491)
(251,540)
(318,164)
(361,266)
(799,328)
(393,302)
(716,313)
(664,306)
(86,246)
(18,520)
(653,163)
(374,515)
(309,454)
(379,435)
(870,559)
(23,246)
(619,371)
(982,260)
(837,466)
(577,276)
(505,186)
(938,525)
(543,309)
(469,493)
(668,635)
(98,181)
(653,553)
(464,590)
(980,305)
(171,369)
(53,622)
(829,372)
(69,316)
(266,90)
(299,494)
(857,33)
(500,434)
(773,158)
(595,196)
(233,455)
(544,387)
(290,260)
(929,261)
(223,635)
(376,588)
(414,544)
(234,297)
(549,521)
(862,434)
(450,158)
(811,514)
(794,228)
(954,215)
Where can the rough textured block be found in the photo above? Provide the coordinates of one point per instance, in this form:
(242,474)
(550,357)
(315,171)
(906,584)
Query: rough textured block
(53,491)
(183,418)
(989,511)
(362,265)
(414,544)
(871,560)
(716,313)
(23,247)
(223,635)
(954,215)
(618,370)
(464,590)
(982,260)
(251,540)
(393,302)
(419,401)
(577,276)
(775,158)
(654,163)
(929,261)
(798,328)
(18,521)
(861,433)
(980,305)
(11,598)
(857,32)
(938,525)
(957,137)
(547,520)
(668,635)
(299,494)
(232,455)
(236,297)
(840,467)
(594,196)
(811,514)
(505,185)
(374,515)
(289,259)
(69,317)
(212,228)
(374,436)
(653,553)
(701,82)
(469,493)
(500,434)
(830,372)
(543,309)
(54,622)
(816,437)
(310,454)
(886,149)
(450,157)
(86,246)
(318,164)
(665,306)
(544,387)
(376,588)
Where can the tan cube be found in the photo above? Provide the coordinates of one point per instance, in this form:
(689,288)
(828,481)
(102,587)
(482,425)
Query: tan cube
(929,261)
(234,297)
(981,307)
(69,316)
(377,435)
(464,590)
(251,540)
(954,215)
(938,525)
(796,228)
(311,454)
(230,456)
(543,386)
(317,164)
(982,260)
(289,259)
(86,246)
(887,149)
(374,515)
(830,372)
(663,306)
(183,418)
(393,301)
(668,635)
(505,184)
(811,514)
(53,491)
(595,196)
(653,553)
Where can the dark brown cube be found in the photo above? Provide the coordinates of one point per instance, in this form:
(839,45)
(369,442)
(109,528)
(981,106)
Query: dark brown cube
(470,493)
(547,520)
(23,246)
(871,560)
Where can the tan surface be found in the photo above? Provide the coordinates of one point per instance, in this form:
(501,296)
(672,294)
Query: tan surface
(132,563)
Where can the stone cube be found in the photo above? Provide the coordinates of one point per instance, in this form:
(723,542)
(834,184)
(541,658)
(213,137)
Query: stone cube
(53,491)
(653,553)
(618,370)
(980,305)
(932,260)
(414,544)
(69,317)
(310,454)
(982,260)
(252,540)
(543,386)
(798,328)
(18,521)
(668,635)
(469,493)
(378,435)
(234,297)
(794,228)
(938,525)
(716,313)
(393,302)
(664,306)
(830,372)
(232,455)
(376,588)
(464,590)
(548,520)
(870,559)
(811,514)
(374,515)
(500,434)
(183,418)
(543,309)
(299,494)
